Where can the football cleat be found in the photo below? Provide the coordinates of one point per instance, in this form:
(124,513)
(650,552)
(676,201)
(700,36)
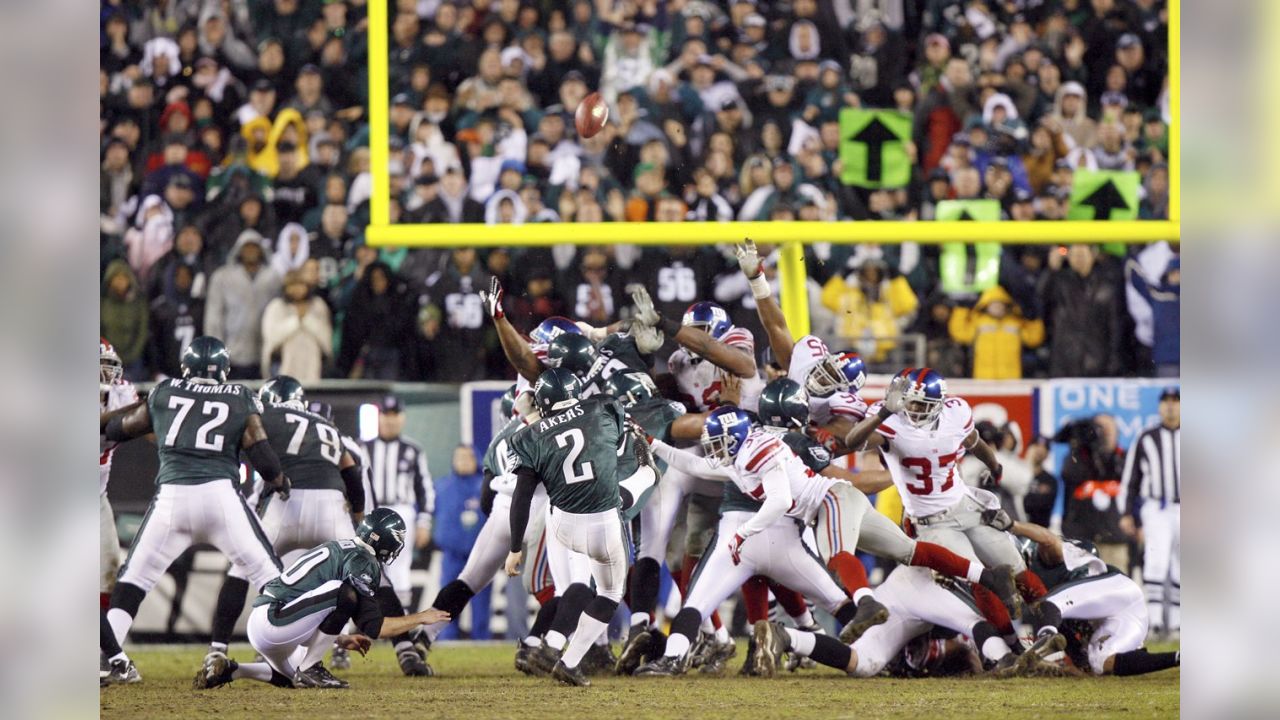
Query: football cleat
(524,660)
(317,676)
(665,666)
(716,656)
(421,641)
(544,659)
(569,676)
(1005,588)
(1047,645)
(634,651)
(771,642)
(871,612)
(599,660)
(411,664)
(216,672)
(748,668)
(340,659)
(122,672)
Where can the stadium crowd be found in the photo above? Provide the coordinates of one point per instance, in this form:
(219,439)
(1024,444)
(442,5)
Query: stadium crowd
(235,174)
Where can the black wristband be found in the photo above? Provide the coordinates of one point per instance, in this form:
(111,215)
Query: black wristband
(114,432)
(669,326)
(883,413)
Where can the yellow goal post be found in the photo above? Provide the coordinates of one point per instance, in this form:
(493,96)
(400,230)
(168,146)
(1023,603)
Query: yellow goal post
(790,236)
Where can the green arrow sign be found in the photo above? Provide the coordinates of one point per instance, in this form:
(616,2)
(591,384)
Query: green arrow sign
(968,210)
(873,148)
(1104,195)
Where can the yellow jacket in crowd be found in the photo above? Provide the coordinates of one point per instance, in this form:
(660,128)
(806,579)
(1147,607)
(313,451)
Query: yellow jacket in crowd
(857,316)
(263,138)
(998,331)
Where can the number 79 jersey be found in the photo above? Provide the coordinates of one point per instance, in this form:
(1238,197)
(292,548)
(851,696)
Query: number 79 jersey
(575,453)
(923,461)
(309,447)
(198,429)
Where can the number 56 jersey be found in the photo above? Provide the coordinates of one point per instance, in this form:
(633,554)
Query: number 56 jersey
(198,429)
(575,453)
(923,461)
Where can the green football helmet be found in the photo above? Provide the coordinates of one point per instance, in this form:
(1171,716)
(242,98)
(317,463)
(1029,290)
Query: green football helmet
(784,404)
(556,389)
(280,389)
(574,353)
(384,531)
(206,357)
(630,388)
(508,406)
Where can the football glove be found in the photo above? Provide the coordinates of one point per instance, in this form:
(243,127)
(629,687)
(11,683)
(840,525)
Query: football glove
(493,299)
(748,258)
(997,518)
(645,313)
(895,396)
(735,548)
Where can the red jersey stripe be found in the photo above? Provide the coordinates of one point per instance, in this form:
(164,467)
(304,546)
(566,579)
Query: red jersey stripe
(765,453)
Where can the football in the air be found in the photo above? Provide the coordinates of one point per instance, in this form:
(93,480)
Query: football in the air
(592,114)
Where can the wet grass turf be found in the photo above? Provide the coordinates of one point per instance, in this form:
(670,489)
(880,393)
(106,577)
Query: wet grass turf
(479,681)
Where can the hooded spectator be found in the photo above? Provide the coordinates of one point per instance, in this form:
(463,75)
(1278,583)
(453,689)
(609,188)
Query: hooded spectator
(377,327)
(122,316)
(297,335)
(871,308)
(238,293)
(1069,113)
(292,249)
(150,237)
(998,332)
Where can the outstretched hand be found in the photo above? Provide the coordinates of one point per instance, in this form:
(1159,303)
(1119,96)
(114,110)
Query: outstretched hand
(645,313)
(748,257)
(358,642)
(895,397)
(493,299)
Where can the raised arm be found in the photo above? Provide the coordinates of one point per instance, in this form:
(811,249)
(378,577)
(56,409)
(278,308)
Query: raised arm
(775,324)
(735,360)
(688,463)
(513,346)
(862,436)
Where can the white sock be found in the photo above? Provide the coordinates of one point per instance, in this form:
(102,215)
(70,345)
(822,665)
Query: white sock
(707,626)
(218,647)
(120,622)
(862,593)
(602,639)
(584,637)
(677,645)
(801,642)
(722,635)
(555,640)
(995,649)
(118,658)
(533,641)
(975,572)
(434,630)
(315,650)
(253,671)
(641,618)
(403,645)
(805,620)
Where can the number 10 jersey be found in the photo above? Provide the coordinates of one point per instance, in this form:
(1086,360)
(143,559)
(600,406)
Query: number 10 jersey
(923,461)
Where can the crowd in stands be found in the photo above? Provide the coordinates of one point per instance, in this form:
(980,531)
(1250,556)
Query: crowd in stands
(235,173)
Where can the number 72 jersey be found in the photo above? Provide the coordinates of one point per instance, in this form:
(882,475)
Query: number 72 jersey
(198,429)
(923,461)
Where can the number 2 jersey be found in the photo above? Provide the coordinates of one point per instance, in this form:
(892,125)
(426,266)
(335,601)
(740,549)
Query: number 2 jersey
(314,581)
(922,461)
(198,427)
(805,354)
(309,446)
(700,378)
(120,394)
(577,453)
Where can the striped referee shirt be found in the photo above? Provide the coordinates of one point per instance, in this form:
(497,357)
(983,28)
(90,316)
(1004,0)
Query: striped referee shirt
(398,475)
(1152,470)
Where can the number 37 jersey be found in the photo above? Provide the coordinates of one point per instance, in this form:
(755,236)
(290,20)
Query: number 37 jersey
(198,429)
(575,453)
(923,461)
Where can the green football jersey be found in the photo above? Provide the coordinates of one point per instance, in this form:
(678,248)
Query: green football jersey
(309,446)
(617,353)
(575,453)
(655,415)
(312,583)
(497,458)
(814,455)
(198,428)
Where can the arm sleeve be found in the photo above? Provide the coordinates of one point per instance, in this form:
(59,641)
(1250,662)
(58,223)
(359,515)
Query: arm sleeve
(687,462)
(368,616)
(265,461)
(487,494)
(526,483)
(777,500)
(424,491)
(353,479)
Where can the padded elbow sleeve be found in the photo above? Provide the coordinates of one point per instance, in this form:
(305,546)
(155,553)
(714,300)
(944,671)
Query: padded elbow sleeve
(351,478)
(265,461)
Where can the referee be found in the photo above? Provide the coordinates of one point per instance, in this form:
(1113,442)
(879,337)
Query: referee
(399,479)
(1150,501)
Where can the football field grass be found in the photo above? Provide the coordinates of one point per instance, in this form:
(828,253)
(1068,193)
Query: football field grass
(479,681)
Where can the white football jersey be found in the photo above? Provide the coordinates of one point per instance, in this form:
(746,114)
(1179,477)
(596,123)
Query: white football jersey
(120,394)
(806,353)
(764,450)
(700,379)
(923,461)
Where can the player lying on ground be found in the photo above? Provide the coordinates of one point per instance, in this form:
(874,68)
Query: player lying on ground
(300,615)
(916,604)
(1102,606)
